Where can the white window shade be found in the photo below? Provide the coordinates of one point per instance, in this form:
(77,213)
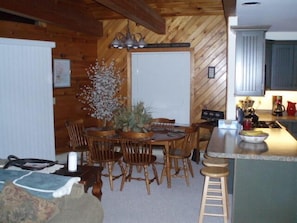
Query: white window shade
(162,81)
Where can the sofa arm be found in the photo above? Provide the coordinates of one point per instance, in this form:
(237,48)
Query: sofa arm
(78,207)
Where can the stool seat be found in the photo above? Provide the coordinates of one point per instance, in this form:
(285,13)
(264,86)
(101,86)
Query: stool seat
(215,172)
(216,162)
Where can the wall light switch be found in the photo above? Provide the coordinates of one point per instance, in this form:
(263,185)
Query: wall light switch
(211,72)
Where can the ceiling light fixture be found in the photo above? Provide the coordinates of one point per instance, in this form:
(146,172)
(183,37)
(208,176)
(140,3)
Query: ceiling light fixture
(129,40)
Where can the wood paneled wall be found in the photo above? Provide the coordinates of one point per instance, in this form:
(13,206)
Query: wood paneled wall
(207,35)
(208,38)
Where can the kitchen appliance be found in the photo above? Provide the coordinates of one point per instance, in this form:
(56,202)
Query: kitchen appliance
(278,108)
(266,124)
(248,110)
(291,108)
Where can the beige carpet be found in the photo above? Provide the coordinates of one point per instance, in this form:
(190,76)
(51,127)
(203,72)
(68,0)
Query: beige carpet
(180,204)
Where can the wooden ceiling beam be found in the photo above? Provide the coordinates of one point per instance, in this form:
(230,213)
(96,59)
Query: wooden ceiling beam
(139,12)
(229,8)
(61,13)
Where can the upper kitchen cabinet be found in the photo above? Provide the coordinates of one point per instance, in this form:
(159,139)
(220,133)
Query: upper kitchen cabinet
(250,61)
(281,65)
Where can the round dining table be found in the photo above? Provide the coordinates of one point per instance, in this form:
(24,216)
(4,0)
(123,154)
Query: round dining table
(167,139)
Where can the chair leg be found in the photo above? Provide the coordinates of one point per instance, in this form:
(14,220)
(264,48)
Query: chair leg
(186,171)
(176,167)
(147,180)
(155,173)
(120,163)
(190,167)
(110,166)
(163,174)
(125,170)
(81,158)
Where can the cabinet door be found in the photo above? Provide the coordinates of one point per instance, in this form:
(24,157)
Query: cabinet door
(250,61)
(283,73)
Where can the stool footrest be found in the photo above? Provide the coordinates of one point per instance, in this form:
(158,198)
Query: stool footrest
(217,215)
(214,205)
(214,190)
(214,198)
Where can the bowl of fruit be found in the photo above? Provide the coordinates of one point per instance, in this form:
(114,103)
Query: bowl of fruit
(253,136)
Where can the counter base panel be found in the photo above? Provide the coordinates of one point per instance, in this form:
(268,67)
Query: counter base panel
(264,191)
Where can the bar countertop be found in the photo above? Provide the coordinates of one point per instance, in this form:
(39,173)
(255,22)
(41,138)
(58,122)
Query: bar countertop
(279,146)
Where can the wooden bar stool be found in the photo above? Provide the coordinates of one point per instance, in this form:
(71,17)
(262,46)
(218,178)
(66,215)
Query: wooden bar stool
(215,162)
(214,192)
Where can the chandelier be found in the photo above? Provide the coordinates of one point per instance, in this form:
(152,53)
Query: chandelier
(128,40)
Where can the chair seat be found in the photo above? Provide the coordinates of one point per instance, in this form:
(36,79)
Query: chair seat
(179,153)
(81,148)
(142,159)
(109,157)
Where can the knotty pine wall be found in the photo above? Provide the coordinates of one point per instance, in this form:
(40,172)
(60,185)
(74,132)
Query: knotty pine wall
(208,38)
(207,35)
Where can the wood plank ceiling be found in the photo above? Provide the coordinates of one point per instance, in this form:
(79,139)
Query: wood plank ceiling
(86,16)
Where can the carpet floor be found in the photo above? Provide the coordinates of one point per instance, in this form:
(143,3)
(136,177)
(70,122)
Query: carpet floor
(179,204)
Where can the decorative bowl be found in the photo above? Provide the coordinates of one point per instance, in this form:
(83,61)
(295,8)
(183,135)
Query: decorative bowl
(253,148)
(252,136)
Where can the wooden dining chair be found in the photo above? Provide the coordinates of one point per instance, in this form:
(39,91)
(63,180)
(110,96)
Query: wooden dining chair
(104,149)
(137,152)
(182,152)
(78,141)
(161,124)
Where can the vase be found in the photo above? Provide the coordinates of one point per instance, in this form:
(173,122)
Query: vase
(291,108)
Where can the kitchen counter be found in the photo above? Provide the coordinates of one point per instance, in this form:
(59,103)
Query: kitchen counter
(267,116)
(279,146)
(263,178)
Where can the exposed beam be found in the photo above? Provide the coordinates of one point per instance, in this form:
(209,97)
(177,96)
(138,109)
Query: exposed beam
(229,8)
(61,13)
(139,12)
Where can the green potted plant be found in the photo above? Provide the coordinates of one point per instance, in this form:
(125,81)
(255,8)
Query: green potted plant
(133,119)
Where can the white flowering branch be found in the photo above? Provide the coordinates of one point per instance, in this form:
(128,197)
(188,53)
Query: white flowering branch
(101,95)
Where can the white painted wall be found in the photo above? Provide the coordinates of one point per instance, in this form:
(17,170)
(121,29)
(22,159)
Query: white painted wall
(231,101)
(26,99)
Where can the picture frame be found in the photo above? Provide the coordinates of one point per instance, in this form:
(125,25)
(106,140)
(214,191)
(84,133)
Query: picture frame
(62,73)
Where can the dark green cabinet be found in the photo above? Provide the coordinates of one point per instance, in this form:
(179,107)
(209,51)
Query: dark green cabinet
(281,65)
(250,61)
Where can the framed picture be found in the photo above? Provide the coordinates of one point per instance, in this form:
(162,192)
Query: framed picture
(62,73)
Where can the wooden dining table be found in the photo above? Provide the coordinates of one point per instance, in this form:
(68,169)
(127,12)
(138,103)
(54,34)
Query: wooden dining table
(164,138)
(167,139)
